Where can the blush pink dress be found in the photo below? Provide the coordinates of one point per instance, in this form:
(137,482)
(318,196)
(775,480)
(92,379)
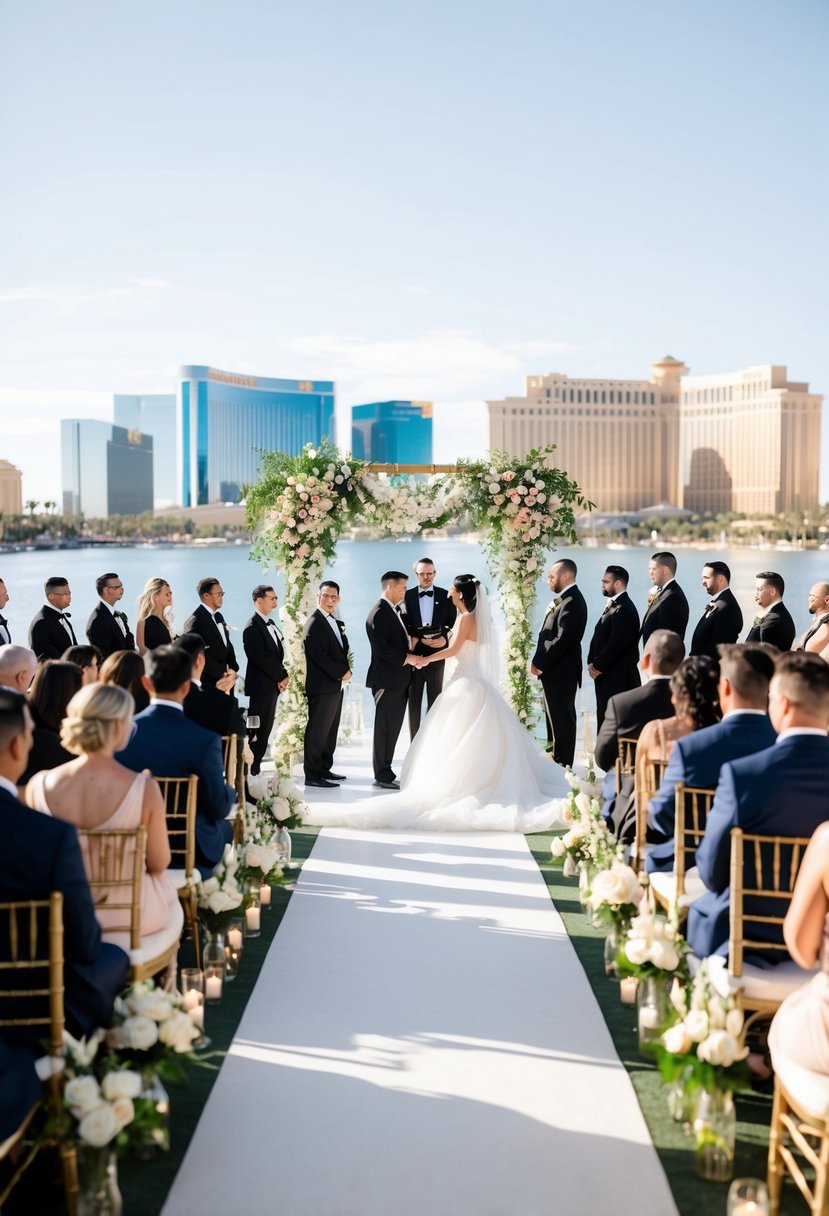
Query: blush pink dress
(800,1029)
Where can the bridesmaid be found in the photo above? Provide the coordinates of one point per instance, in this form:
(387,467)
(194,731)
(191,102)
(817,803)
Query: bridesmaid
(155,616)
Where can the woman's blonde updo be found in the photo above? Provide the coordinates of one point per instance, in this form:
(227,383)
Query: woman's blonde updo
(95,718)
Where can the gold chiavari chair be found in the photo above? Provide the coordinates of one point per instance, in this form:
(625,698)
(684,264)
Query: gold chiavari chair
(682,886)
(230,747)
(625,759)
(646,786)
(179,794)
(799,1129)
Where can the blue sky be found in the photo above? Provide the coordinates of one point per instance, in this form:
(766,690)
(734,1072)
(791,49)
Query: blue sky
(429,202)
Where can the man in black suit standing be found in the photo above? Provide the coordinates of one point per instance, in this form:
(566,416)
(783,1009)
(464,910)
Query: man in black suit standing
(557,659)
(389,673)
(107,626)
(722,619)
(5,632)
(429,614)
(207,621)
(773,624)
(51,631)
(326,674)
(265,677)
(668,609)
(816,637)
(214,708)
(613,656)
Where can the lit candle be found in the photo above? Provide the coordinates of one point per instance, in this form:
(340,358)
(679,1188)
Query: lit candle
(213,987)
(234,939)
(192,998)
(265,895)
(627,989)
(252,916)
(648,1018)
(196,1013)
(749,1208)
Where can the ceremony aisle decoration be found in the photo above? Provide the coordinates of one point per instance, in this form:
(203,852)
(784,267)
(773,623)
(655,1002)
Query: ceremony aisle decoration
(220,899)
(652,953)
(280,808)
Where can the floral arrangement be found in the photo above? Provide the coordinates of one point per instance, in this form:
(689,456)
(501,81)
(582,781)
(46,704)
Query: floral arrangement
(615,895)
(652,947)
(220,896)
(588,841)
(705,1043)
(150,1028)
(280,799)
(406,505)
(100,1109)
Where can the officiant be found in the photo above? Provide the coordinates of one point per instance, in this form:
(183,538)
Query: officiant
(430,615)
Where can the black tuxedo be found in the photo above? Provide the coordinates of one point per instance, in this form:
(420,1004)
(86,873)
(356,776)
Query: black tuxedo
(626,714)
(776,627)
(444,614)
(614,650)
(388,678)
(558,658)
(721,622)
(214,710)
(5,632)
(265,671)
(668,610)
(218,654)
(326,662)
(103,631)
(47,636)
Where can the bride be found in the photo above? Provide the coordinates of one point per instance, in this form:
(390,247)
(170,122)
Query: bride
(472,765)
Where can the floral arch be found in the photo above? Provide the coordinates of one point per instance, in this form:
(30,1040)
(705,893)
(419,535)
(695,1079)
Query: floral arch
(301,506)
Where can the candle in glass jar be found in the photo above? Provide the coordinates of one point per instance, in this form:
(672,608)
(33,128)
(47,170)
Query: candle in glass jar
(252,916)
(265,895)
(627,989)
(234,939)
(748,1207)
(197,1016)
(213,987)
(648,1017)
(192,998)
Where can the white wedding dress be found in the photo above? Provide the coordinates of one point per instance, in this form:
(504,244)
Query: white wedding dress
(471,768)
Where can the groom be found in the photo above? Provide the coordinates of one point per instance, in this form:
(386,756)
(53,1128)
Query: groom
(389,673)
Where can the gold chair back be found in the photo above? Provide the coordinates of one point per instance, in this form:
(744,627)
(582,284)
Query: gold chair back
(625,758)
(115,860)
(229,754)
(692,805)
(647,784)
(180,794)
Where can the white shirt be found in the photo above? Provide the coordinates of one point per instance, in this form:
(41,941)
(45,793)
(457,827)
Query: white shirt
(9,787)
(273,632)
(761,713)
(800,730)
(219,624)
(164,701)
(119,620)
(427,604)
(332,621)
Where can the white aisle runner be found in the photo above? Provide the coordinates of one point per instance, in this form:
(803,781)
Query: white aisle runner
(422,1041)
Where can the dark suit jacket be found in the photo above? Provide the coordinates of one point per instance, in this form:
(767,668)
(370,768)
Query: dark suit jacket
(614,647)
(170,745)
(669,611)
(444,614)
(214,710)
(625,716)
(217,656)
(696,760)
(722,624)
(103,631)
(266,658)
(776,627)
(783,791)
(389,647)
(47,634)
(325,662)
(558,650)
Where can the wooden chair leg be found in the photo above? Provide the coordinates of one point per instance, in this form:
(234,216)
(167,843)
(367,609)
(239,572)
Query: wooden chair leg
(821,1172)
(69,1170)
(774,1178)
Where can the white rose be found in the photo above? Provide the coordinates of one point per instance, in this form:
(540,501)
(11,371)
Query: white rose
(636,951)
(210,885)
(716,1015)
(178,1032)
(281,809)
(124,1084)
(664,955)
(583,805)
(99,1126)
(223,901)
(557,848)
(123,1110)
(719,1048)
(734,1022)
(677,1040)
(260,786)
(260,857)
(615,887)
(82,1095)
(569,869)
(156,1005)
(140,1033)
(696,1023)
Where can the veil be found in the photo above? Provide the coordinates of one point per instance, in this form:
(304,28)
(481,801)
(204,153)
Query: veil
(488,657)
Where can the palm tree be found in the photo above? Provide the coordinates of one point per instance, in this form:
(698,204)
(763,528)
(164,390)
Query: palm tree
(31,505)
(49,505)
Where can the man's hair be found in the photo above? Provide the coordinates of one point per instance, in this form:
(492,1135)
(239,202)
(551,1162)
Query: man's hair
(422,561)
(329,582)
(804,678)
(192,644)
(665,559)
(749,670)
(13,658)
(52,584)
(205,585)
(260,590)
(12,715)
(101,582)
(719,568)
(773,579)
(619,573)
(168,667)
(567,564)
(667,650)
(82,656)
(393,576)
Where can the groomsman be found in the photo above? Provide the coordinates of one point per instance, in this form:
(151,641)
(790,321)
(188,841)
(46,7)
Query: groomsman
(5,632)
(326,675)
(722,619)
(816,637)
(669,608)
(613,656)
(774,623)
(265,676)
(428,608)
(207,621)
(107,627)
(51,631)
(557,659)
(389,674)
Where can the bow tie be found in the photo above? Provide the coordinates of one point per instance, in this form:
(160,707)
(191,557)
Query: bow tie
(422,593)
(218,618)
(64,616)
(3,621)
(121,615)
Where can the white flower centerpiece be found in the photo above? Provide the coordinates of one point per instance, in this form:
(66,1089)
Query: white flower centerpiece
(220,897)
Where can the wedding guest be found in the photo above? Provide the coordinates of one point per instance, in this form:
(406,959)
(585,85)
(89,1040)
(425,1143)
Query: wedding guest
(88,658)
(154,626)
(389,674)
(722,620)
(816,637)
(213,708)
(51,629)
(613,656)
(18,665)
(668,609)
(41,855)
(430,615)
(326,674)
(265,676)
(208,622)
(93,791)
(5,631)
(53,687)
(107,627)
(125,668)
(557,659)
(773,624)
(782,791)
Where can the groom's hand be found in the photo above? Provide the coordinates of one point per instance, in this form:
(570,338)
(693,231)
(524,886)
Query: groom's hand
(347,677)
(411,660)
(534,671)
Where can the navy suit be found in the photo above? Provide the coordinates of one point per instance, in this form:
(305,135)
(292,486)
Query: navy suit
(326,662)
(170,745)
(777,628)
(41,855)
(558,658)
(444,614)
(668,610)
(388,678)
(696,760)
(782,791)
(103,631)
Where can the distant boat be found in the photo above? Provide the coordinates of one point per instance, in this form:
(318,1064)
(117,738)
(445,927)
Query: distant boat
(617,544)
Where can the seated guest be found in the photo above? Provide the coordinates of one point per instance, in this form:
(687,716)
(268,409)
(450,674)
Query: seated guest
(88,658)
(18,665)
(155,616)
(215,708)
(782,791)
(53,687)
(126,669)
(170,745)
(696,760)
(41,855)
(95,791)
